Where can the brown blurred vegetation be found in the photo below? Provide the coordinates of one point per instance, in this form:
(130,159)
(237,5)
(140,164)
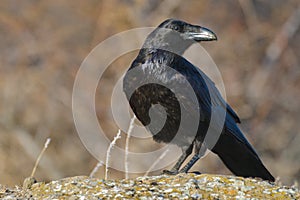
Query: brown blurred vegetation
(44,42)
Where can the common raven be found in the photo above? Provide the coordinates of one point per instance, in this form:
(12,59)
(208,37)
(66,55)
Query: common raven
(158,76)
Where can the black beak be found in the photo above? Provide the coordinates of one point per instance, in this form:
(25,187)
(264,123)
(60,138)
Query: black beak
(199,33)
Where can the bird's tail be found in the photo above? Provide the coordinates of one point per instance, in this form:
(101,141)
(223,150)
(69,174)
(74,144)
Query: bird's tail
(239,156)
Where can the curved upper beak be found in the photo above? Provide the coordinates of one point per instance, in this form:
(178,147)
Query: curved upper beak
(199,33)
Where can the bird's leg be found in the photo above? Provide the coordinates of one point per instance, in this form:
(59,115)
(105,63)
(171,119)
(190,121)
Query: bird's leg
(188,166)
(198,154)
(185,154)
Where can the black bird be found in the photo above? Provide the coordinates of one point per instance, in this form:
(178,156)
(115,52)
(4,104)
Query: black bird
(159,76)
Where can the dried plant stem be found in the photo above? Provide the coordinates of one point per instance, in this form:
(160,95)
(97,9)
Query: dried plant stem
(40,156)
(131,125)
(157,161)
(96,168)
(108,152)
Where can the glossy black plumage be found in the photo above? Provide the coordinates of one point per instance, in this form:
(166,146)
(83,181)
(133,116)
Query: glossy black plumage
(151,81)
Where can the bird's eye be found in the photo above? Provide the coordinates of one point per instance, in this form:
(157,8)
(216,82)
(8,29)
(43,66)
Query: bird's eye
(176,28)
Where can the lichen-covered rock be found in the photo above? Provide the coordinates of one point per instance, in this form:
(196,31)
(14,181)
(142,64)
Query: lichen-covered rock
(182,186)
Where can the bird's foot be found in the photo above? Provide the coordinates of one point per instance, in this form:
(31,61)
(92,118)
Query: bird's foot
(195,172)
(170,172)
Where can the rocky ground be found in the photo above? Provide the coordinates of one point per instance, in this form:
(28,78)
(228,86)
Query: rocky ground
(43,44)
(182,186)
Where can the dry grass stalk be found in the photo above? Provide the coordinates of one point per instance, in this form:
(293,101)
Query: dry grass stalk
(131,125)
(40,156)
(157,161)
(96,168)
(108,152)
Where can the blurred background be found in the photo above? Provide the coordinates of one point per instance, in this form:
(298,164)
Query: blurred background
(44,42)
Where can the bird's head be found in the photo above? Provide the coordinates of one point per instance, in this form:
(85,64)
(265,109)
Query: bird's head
(189,31)
(176,36)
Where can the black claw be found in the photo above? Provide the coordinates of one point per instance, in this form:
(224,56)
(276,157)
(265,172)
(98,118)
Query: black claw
(168,172)
(196,172)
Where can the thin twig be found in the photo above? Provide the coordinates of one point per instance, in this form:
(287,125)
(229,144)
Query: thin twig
(131,125)
(32,149)
(29,181)
(40,156)
(108,152)
(96,168)
(155,163)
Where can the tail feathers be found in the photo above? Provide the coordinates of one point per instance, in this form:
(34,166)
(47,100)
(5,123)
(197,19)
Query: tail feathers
(240,157)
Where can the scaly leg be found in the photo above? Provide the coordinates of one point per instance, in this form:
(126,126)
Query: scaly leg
(185,154)
(198,154)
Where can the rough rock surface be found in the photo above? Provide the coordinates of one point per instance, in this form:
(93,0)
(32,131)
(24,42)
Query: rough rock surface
(182,186)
